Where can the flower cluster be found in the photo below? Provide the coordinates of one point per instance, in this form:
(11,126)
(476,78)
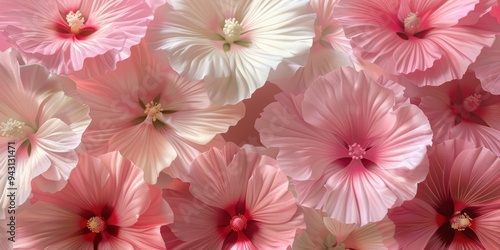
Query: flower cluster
(250,124)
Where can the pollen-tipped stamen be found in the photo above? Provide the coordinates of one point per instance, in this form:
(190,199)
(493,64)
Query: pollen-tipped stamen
(232,30)
(460,221)
(96,224)
(12,128)
(472,102)
(411,24)
(75,21)
(153,110)
(238,222)
(356,151)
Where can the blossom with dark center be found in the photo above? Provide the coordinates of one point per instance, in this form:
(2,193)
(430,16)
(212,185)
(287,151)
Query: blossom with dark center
(458,204)
(105,205)
(237,199)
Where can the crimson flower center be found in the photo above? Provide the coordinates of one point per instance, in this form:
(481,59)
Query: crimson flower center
(411,24)
(460,221)
(75,21)
(238,222)
(356,151)
(96,224)
(472,102)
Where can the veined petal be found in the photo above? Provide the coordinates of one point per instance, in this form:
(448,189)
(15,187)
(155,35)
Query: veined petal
(154,154)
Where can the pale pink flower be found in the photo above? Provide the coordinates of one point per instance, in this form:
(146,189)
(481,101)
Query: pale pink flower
(82,37)
(424,42)
(462,109)
(458,204)
(350,152)
(330,50)
(149,113)
(105,205)
(324,233)
(487,68)
(237,199)
(233,45)
(40,128)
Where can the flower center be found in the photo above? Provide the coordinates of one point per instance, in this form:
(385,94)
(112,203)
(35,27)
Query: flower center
(238,222)
(356,151)
(460,221)
(411,24)
(153,110)
(232,30)
(96,224)
(472,102)
(12,128)
(75,21)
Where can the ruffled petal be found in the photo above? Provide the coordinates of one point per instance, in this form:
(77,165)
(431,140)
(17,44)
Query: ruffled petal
(475,177)
(146,147)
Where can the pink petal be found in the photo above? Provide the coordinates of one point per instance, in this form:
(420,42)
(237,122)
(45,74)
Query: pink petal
(325,106)
(281,125)
(147,147)
(475,177)
(486,227)
(268,198)
(200,126)
(415,223)
(403,144)
(487,68)
(194,222)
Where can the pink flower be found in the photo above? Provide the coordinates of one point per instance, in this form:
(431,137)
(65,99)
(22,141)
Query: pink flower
(40,128)
(350,152)
(487,67)
(151,114)
(232,45)
(424,42)
(75,37)
(106,205)
(330,50)
(237,199)
(462,109)
(457,206)
(326,233)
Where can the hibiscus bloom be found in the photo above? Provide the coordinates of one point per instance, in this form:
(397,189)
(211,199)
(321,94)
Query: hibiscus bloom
(330,50)
(323,233)
(105,205)
(457,206)
(151,114)
(237,199)
(349,151)
(424,42)
(487,68)
(75,37)
(462,109)
(40,125)
(233,45)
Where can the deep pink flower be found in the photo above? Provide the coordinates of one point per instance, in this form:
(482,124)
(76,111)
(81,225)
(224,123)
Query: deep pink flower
(462,109)
(457,206)
(330,50)
(349,150)
(83,37)
(41,123)
(105,205)
(427,42)
(232,45)
(150,114)
(237,199)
